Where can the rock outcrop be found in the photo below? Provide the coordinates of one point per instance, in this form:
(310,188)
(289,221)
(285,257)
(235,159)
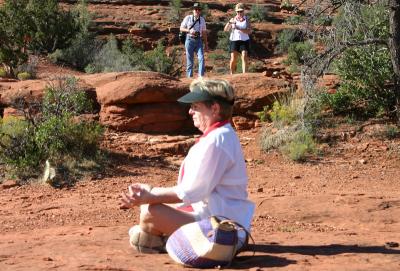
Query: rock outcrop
(146,101)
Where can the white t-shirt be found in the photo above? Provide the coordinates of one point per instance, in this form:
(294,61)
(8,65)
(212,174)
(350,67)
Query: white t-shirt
(215,180)
(236,33)
(200,25)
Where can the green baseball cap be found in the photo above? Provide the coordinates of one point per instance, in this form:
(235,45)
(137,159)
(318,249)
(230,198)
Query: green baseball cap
(199,95)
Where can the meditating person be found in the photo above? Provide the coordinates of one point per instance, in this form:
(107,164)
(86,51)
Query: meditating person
(212,179)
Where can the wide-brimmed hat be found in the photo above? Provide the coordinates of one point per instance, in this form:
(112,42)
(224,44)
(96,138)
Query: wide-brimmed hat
(196,6)
(239,7)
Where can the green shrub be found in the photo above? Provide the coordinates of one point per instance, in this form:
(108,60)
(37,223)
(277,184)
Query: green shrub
(364,70)
(175,13)
(54,27)
(223,40)
(53,133)
(287,5)
(286,37)
(392,132)
(145,26)
(294,20)
(110,58)
(258,13)
(283,114)
(3,72)
(298,52)
(205,11)
(38,26)
(157,60)
(15,26)
(301,145)
(24,76)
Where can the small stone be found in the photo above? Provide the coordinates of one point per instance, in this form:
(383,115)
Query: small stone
(297,177)
(260,189)
(391,244)
(47,259)
(362,161)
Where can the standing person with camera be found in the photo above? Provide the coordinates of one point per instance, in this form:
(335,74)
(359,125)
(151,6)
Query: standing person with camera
(239,38)
(196,39)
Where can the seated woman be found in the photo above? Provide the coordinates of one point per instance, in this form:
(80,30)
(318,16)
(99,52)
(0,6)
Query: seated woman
(212,179)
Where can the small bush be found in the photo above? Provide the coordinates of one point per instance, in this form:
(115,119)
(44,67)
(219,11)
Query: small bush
(298,52)
(49,131)
(294,20)
(3,72)
(157,60)
(223,40)
(258,13)
(287,5)
(29,67)
(110,58)
(392,132)
(24,76)
(175,13)
(286,37)
(301,145)
(145,26)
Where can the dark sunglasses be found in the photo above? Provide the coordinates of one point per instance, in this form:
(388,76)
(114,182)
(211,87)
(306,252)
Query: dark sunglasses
(199,9)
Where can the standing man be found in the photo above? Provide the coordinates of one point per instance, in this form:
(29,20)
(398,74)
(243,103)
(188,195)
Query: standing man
(196,39)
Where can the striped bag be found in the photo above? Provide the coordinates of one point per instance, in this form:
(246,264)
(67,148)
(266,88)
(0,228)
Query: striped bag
(206,243)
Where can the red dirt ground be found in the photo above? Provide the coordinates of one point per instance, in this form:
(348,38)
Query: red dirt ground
(339,212)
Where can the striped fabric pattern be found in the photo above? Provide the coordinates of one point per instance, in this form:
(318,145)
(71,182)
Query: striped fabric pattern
(204,244)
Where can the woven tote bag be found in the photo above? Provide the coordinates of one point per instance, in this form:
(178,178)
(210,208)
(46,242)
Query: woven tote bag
(206,243)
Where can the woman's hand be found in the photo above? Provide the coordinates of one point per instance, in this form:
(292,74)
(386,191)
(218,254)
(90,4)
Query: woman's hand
(137,195)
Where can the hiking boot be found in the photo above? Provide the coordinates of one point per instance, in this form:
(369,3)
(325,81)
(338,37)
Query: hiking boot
(144,242)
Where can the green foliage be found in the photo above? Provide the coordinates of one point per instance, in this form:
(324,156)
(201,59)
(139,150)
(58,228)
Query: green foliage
(84,46)
(286,37)
(287,5)
(258,13)
(301,145)
(53,27)
(24,76)
(223,40)
(205,11)
(298,52)
(364,70)
(3,72)
(15,25)
(36,25)
(157,60)
(132,57)
(175,10)
(288,134)
(294,20)
(283,114)
(264,115)
(145,26)
(110,58)
(392,132)
(53,133)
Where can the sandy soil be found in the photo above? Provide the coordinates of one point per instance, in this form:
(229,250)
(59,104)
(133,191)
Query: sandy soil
(340,211)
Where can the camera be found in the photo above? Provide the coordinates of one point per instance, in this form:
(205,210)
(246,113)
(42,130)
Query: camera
(196,34)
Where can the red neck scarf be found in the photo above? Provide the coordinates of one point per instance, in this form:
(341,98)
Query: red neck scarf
(211,128)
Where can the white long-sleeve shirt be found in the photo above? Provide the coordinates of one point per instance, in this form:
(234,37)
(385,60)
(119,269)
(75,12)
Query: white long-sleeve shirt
(213,178)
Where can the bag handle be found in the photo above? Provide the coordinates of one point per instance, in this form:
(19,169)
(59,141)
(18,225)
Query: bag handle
(238,226)
(198,20)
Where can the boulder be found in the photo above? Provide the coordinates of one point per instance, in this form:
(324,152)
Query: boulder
(150,117)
